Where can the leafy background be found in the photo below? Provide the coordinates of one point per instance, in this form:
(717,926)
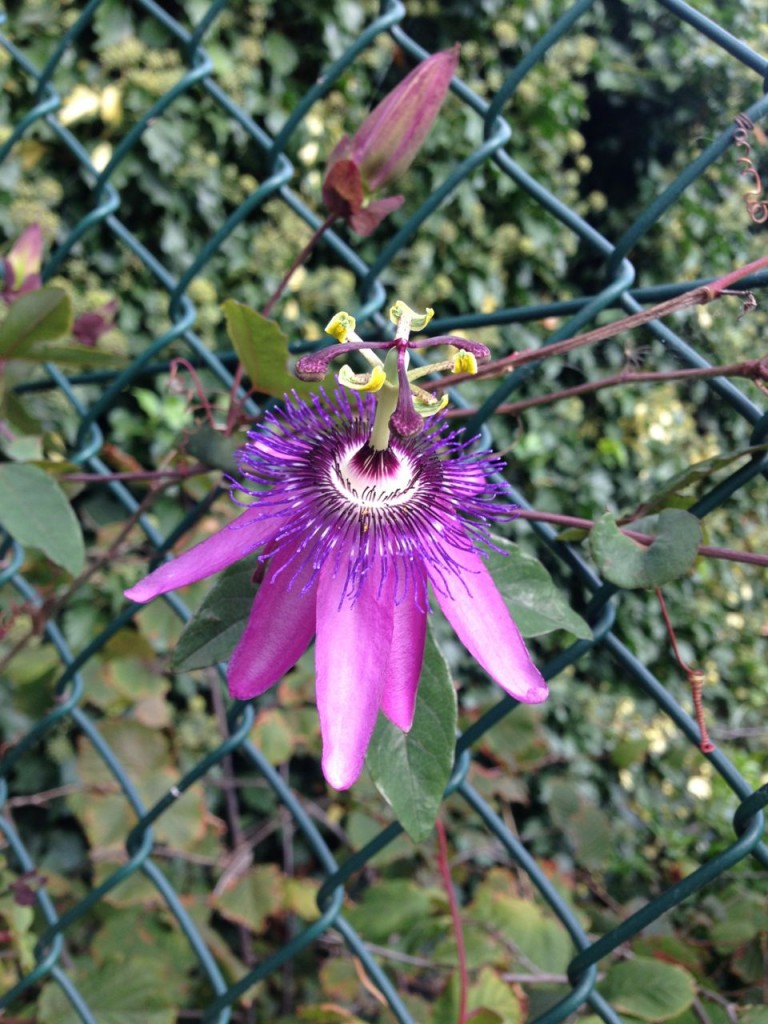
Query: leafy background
(598,783)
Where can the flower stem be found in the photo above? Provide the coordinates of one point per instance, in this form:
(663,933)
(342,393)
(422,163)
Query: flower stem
(695,679)
(695,297)
(299,261)
(705,550)
(458,931)
(751,369)
(235,406)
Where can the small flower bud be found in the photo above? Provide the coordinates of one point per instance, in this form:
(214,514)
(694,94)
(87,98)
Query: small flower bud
(21,268)
(386,144)
(390,137)
(89,327)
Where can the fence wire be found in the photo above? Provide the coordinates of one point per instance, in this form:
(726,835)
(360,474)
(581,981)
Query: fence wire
(98,190)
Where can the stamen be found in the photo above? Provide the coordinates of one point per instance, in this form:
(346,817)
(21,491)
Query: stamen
(341,326)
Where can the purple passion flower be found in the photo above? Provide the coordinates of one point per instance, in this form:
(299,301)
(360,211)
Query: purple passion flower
(351,535)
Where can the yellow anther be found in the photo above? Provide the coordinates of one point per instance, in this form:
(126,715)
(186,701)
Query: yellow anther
(464,362)
(429,408)
(340,326)
(373,381)
(417,321)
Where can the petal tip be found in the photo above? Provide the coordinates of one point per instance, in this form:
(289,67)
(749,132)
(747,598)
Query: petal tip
(139,593)
(339,772)
(536,694)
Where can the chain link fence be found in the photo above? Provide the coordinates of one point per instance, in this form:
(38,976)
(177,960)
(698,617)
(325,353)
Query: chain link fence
(95,191)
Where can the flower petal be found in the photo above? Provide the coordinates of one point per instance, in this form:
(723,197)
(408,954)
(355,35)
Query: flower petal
(365,220)
(238,539)
(351,656)
(482,622)
(343,188)
(398,701)
(280,627)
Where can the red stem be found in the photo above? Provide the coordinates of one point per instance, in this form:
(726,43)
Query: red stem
(301,258)
(752,369)
(458,931)
(705,550)
(234,405)
(137,475)
(694,297)
(695,679)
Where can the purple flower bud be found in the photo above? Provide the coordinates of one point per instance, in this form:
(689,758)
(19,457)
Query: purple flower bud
(391,136)
(21,268)
(386,143)
(89,327)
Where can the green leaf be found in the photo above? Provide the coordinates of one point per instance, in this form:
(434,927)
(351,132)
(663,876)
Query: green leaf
(697,473)
(649,989)
(36,512)
(523,923)
(252,898)
(411,770)
(755,1015)
(75,355)
(534,602)
(211,634)
(392,907)
(132,991)
(42,315)
(262,348)
(490,1000)
(632,565)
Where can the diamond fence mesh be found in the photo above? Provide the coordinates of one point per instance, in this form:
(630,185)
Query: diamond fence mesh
(93,227)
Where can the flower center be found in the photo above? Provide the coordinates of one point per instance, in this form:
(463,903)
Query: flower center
(374,480)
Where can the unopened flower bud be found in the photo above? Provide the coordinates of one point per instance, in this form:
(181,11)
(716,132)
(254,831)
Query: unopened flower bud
(386,144)
(21,268)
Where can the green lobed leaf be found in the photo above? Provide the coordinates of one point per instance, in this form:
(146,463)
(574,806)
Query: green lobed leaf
(411,770)
(523,923)
(649,989)
(262,348)
(42,315)
(36,512)
(632,565)
(138,990)
(534,602)
(252,898)
(490,1000)
(211,634)
(392,907)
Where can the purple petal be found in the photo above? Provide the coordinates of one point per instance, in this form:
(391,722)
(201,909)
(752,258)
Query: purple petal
(398,701)
(343,192)
(482,622)
(365,220)
(280,627)
(351,654)
(242,536)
